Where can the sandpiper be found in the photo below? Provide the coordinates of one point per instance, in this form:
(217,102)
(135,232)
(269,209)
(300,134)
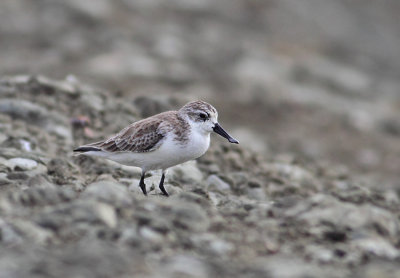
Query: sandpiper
(162,141)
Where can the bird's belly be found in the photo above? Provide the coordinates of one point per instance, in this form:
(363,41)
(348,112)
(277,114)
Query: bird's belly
(169,154)
(172,153)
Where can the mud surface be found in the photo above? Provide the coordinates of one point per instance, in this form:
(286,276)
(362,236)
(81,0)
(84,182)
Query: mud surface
(312,95)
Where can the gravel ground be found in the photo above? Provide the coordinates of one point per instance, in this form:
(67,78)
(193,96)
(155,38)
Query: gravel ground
(310,89)
(231,213)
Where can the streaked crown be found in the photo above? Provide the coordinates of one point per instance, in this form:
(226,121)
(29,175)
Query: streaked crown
(199,111)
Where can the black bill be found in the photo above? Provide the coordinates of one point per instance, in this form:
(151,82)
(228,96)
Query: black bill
(218,129)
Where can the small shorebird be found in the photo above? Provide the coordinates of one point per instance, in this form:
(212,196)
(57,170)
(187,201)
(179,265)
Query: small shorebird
(162,141)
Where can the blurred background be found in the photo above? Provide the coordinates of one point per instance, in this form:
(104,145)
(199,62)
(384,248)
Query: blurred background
(318,80)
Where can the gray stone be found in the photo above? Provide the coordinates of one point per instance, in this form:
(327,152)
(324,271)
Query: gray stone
(377,246)
(40,181)
(106,214)
(32,232)
(8,233)
(37,115)
(25,110)
(60,85)
(4,180)
(187,172)
(319,253)
(71,214)
(21,164)
(42,195)
(185,266)
(292,266)
(151,235)
(185,215)
(321,209)
(108,191)
(380,269)
(294,174)
(256,194)
(216,183)
(211,243)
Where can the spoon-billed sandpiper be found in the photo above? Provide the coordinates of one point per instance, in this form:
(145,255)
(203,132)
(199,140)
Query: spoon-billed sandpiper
(162,141)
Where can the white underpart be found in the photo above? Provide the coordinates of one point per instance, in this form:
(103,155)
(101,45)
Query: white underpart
(170,153)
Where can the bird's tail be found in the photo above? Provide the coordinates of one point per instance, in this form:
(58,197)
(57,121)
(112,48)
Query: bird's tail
(84,149)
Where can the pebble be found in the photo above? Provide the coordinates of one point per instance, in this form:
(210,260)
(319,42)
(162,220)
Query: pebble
(70,215)
(256,194)
(21,164)
(377,246)
(185,266)
(187,172)
(150,235)
(106,213)
(216,183)
(221,247)
(108,191)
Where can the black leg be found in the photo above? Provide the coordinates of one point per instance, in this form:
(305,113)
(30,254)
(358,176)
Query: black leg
(142,184)
(161,185)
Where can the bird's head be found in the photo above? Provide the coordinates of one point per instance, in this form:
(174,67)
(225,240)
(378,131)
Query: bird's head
(204,117)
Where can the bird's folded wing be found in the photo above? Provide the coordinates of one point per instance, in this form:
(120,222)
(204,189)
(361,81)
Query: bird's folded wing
(142,136)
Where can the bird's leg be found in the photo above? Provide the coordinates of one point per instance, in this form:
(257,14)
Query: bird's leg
(142,185)
(161,185)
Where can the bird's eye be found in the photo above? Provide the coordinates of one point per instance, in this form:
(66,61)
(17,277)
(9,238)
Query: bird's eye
(203,116)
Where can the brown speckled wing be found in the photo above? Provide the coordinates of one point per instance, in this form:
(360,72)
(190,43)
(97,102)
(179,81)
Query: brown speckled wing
(142,136)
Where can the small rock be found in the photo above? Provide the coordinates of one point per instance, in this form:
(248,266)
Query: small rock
(292,266)
(3,179)
(60,169)
(320,254)
(256,194)
(25,145)
(187,172)
(294,174)
(70,214)
(40,181)
(151,235)
(213,244)
(221,247)
(108,191)
(60,85)
(107,214)
(8,233)
(40,196)
(21,164)
(17,176)
(377,246)
(325,211)
(216,183)
(381,269)
(185,266)
(26,110)
(126,171)
(186,216)
(31,231)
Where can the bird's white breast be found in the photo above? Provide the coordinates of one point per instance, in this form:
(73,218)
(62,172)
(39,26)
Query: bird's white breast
(171,152)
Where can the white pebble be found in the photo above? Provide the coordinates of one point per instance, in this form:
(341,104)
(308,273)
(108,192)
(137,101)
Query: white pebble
(23,164)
